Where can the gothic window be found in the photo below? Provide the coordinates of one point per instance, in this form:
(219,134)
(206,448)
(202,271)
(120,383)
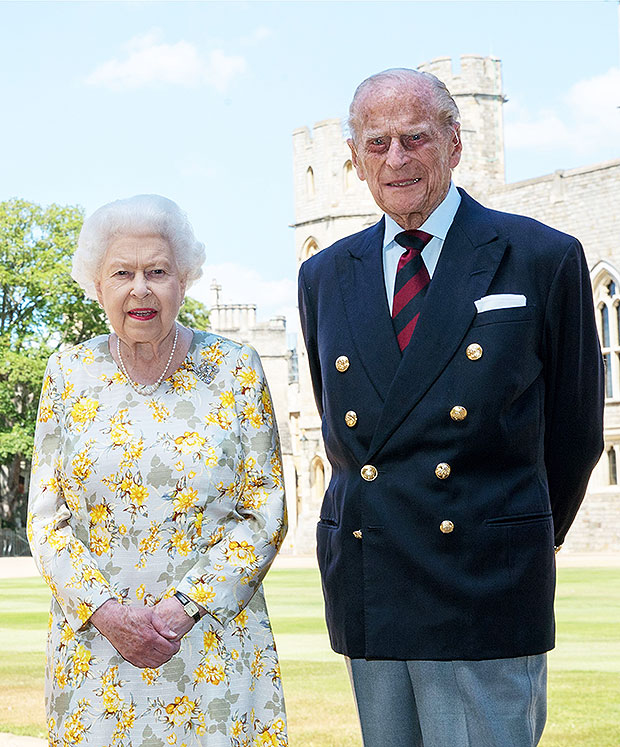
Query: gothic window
(309,248)
(613,470)
(318,480)
(310,183)
(607,302)
(348,176)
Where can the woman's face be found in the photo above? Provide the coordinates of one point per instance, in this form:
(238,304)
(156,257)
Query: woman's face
(140,288)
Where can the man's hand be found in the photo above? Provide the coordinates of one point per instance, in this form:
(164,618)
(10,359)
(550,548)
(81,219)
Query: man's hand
(138,633)
(172,615)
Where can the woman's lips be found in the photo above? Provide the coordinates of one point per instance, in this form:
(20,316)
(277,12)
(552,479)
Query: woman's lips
(142,314)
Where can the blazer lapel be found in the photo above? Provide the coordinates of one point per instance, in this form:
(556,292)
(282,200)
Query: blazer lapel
(469,259)
(363,290)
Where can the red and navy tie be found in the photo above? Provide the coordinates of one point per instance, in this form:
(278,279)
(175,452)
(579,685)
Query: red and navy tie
(412,281)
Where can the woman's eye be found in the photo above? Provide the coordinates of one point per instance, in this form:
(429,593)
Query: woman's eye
(157,272)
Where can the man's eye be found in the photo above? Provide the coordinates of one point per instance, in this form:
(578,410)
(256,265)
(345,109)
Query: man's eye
(378,144)
(410,141)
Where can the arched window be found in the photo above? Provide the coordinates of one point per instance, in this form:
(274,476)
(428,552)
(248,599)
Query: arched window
(317,477)
(613,470)
(309,248)
(607,303)
(310,183)
(347,174)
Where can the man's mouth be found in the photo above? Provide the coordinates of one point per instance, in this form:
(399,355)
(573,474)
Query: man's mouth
(142,313)
(404,183)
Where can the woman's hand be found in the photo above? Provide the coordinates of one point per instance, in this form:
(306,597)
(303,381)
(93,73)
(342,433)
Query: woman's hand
(172,615)
(139,634)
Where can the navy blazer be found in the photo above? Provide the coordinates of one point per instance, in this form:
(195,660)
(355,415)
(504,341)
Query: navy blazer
(399,582)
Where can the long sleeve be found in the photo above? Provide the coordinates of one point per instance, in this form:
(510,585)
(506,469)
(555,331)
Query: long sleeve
(574,389)
(234,559)
(54,508)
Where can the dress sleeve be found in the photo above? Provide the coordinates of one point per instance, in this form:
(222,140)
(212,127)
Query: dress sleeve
(53,507)
(230,570)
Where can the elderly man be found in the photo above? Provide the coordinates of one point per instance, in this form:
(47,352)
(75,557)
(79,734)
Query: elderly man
(457,371)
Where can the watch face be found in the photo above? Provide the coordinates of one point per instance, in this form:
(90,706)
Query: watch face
(191,608)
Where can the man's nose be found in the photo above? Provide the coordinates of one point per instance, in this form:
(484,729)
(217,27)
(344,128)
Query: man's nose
(397,156)
(140,286)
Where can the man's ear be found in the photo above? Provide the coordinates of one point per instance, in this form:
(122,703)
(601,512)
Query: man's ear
(457,146)
(355,160)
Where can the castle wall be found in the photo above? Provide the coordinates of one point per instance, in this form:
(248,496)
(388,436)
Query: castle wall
(579,202)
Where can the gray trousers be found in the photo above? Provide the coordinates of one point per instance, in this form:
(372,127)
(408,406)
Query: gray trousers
(489,703)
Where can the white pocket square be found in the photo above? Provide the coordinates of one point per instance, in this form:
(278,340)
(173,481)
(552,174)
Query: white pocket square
(500,301)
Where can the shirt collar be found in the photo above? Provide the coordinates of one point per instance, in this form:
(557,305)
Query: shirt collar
(438,222)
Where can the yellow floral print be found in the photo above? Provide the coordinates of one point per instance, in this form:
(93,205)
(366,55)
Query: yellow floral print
(189,443)
(203,594)
(183,382)
(84,412)
(185,500)
(240,553)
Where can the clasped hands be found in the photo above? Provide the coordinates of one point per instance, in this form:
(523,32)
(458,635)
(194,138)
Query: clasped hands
(144,636)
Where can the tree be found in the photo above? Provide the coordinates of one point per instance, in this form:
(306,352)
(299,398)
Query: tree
(194,314)
(41,309)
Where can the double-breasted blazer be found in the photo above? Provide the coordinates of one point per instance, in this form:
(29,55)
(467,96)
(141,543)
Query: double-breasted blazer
(458,465)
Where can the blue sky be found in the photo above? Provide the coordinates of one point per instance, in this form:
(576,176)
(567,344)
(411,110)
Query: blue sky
(198,100)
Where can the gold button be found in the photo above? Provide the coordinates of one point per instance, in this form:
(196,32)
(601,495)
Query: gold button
(442,470)
(458,412)
(446,526)
(342,363)
(368,472)
(357,534)
(474,351)
(350,418)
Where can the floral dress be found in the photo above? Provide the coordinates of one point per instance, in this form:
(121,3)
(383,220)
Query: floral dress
(133,497)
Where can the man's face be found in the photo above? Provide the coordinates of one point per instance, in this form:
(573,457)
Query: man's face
(402,151)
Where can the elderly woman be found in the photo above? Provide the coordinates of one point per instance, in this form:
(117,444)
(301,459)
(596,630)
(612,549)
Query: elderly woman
(156,508)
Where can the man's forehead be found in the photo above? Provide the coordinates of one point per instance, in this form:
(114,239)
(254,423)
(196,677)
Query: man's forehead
(408,107)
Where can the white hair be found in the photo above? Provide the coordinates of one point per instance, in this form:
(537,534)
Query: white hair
(142,214)
(446,109)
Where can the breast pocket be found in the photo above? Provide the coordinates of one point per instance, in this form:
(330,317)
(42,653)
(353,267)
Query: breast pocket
(497,316)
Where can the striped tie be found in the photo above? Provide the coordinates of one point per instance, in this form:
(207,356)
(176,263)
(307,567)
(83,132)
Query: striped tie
(412,281)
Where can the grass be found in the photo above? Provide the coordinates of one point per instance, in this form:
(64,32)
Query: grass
(584,669)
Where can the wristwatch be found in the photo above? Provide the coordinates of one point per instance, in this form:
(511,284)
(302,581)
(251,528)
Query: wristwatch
(190,607)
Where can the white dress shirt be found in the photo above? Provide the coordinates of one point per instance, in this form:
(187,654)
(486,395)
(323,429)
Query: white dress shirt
(437,224)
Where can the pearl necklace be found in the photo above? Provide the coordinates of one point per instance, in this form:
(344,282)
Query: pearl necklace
(146,389)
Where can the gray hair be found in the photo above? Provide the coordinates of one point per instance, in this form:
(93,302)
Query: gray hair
(446,109)
(142,214)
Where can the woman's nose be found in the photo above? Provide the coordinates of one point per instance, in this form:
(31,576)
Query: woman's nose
(140,286)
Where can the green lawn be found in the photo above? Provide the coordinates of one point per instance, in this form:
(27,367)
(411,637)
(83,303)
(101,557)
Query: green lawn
(584,670)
